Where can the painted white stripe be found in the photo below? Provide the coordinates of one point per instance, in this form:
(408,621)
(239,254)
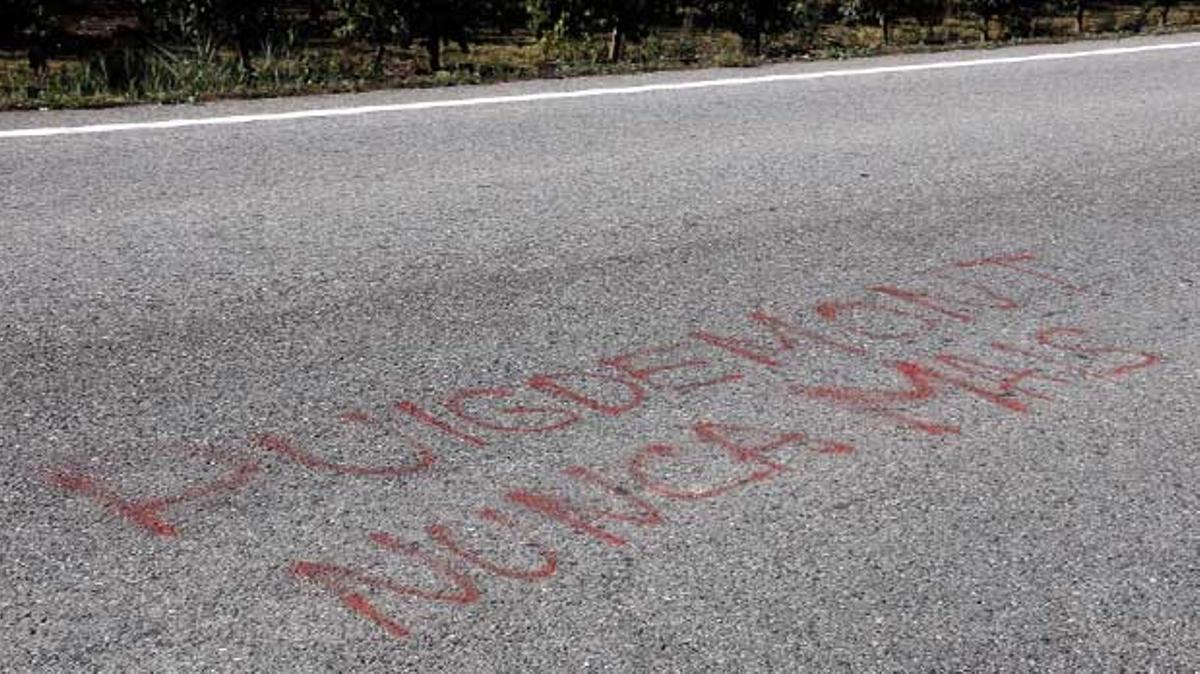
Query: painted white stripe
(582,93)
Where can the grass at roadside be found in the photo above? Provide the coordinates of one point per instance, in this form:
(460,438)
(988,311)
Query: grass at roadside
(204,72)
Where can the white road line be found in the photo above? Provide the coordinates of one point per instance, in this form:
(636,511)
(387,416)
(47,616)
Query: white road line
(582,93)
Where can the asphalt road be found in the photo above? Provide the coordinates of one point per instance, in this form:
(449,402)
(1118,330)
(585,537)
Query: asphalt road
(896,371)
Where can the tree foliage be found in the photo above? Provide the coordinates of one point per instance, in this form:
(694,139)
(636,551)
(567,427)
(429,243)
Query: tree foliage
(36,23)
(432,22)
(622,19)
(247,25)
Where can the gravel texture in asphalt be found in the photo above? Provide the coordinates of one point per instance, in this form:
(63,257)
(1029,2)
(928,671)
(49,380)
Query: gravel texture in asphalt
(898,371)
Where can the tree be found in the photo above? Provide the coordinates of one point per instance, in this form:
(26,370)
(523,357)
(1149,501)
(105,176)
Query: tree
(762,17)
(431,21)
(752,20)
(624,20)
(438,21)
(37,24)
(246,24)
(379,23)
(1016,15)
(1166,6)
(1143,20)
(885,12)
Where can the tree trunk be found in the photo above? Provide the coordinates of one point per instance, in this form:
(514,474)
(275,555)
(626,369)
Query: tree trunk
(377,62)
(885,25)
(245,51)
(433,45)
(1079,16)
(38,58)
(616,47)
(1162,22)
(1143,18)
(39,63)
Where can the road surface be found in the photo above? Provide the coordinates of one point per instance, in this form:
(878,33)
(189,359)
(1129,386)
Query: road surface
(895,368)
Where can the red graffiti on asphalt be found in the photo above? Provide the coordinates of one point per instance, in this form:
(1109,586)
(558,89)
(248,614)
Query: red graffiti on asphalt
(611,505)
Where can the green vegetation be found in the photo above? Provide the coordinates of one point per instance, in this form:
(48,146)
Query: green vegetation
(69,53)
